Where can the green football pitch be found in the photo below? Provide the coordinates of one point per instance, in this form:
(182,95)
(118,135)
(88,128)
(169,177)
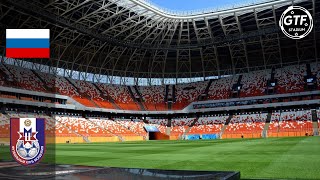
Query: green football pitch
(276,158)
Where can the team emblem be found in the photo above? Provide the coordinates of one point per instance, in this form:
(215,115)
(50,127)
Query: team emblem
(27,140)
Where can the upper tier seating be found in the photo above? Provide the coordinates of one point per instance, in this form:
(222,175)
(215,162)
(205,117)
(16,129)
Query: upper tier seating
(246,123)
(187,93)
(153,97)
(60,84)
(290,79)
(161,124)
(121,96)
(315,69)
(291,121)
(89,90)
(221,88)
(254,83)
(26,79)
(208,125)
(180,125)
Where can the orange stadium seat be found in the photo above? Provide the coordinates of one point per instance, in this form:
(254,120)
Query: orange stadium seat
(179,126)
(290,79)
(187,93)
(112,127)
(121,96)
(247,125)
(221,88)
(254,83)
(291,123)
(153,97)
(208,125)
(82,126)
(26,79)
(161,124)
(135,125)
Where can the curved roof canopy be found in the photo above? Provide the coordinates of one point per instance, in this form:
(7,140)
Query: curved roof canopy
(132,38)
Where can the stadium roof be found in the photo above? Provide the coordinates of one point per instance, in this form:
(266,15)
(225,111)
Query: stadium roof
(185,7)
(131,38)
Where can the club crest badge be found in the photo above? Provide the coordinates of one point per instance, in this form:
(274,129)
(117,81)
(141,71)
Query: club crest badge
(27,140)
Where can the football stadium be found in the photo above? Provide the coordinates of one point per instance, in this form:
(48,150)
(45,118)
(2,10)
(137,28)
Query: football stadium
(128,89)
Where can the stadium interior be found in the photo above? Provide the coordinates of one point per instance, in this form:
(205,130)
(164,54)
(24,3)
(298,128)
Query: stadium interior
(119,67)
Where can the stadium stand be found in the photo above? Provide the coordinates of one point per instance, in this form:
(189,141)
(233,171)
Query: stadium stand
(121,96)
(221,88)
(246,125)
(318,117)
(94,97)
(116,129)
(208,125)
(255,83)
(112,126)
(290,123)
(161,124)
(180,125)
(134,125)
(26,79)
(315,70)
(153,97)
(187,93)
(59,84)
(290,79)
(4,126)
(81,126)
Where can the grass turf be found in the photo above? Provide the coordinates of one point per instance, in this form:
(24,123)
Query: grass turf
(280,158)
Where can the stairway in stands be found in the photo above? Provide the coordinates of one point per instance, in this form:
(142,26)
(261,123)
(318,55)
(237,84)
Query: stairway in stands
(8,77)
(205,94)
(191,125)
(168,130)
(315,124)
(51,90)
(120,137)
(74,132)
(82,94)
(106,96)
(225,125)
(266,126)
(136,98)
(129,128)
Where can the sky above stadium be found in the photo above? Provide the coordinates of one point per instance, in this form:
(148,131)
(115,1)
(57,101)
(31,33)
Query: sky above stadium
(189,5)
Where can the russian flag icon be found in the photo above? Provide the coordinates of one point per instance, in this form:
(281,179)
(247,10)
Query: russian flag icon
(28,43)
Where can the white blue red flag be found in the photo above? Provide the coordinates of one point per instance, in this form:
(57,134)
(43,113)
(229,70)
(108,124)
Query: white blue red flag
(27,140)
(28,43)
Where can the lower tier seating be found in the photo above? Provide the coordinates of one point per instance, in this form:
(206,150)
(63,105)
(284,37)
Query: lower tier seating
(246,125)
(179,126)
(134,125)
(208,125)
(290,122)
(112,126)
(161,124)
(82,126)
